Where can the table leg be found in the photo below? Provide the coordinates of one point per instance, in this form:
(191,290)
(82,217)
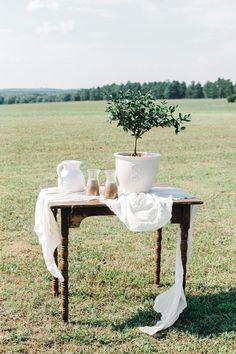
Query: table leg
(157,257)
(184,227)
(64,262)
(55,283)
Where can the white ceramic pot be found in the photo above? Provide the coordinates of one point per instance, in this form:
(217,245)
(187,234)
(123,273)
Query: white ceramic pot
(136,174)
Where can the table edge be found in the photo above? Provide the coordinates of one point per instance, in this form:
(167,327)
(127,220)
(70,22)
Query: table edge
(100,203)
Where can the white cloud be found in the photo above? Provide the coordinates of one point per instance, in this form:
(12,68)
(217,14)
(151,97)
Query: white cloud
(63,27)
(19,60)
(93,11)
(99,3)
(7,35)
(144,40)
(42,4)
(5,31)
(66,26)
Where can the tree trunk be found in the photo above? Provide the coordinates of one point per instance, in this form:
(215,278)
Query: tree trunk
(135,147)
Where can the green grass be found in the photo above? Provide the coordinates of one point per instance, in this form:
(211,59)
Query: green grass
(111,269)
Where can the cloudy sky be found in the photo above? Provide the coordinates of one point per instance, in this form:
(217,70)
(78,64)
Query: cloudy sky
(85,43)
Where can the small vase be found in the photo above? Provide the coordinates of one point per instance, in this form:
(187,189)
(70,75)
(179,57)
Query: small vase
(111,189)
(93,183)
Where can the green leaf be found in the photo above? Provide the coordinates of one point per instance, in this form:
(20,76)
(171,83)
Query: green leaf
(138,113)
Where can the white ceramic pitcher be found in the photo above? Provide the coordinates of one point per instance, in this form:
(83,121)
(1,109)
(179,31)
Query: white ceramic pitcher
(70,177)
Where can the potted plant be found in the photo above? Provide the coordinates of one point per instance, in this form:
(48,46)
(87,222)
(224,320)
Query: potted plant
(138,113)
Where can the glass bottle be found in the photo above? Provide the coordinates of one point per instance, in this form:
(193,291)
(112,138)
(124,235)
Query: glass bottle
(92,187)
(111,189)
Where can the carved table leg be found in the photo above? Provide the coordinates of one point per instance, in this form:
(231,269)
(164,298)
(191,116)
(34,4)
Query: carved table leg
(55,283)
(184,226)
(64,264)
(157,257)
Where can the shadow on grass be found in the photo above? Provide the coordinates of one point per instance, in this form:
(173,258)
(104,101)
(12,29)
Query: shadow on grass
(210,314)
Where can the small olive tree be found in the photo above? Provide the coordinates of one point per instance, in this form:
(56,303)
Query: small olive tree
(138,113)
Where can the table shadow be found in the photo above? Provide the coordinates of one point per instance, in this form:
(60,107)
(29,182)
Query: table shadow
(206,315)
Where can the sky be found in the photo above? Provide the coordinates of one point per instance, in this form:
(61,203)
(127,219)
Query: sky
(89,43)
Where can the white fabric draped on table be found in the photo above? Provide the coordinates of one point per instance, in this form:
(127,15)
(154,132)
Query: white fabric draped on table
(139,212)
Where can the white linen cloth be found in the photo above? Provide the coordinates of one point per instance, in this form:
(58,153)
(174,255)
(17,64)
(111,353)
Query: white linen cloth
(46,227)
(139,212)
(149,212)
(143,211)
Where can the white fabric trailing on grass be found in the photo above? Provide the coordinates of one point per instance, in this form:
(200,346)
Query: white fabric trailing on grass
(139,212)
(149,212)
(173,301)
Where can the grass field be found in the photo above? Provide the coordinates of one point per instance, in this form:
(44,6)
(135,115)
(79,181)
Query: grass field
(111,269)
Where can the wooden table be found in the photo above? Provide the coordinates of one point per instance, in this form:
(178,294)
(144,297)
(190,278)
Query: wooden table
(71,216)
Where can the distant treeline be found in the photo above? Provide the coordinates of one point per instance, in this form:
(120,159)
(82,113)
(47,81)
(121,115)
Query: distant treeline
(220,88)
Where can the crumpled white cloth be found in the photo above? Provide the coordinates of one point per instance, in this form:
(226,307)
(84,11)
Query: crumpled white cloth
(149,212)
(173,301)
(46,227)
(139,212)
(143,211)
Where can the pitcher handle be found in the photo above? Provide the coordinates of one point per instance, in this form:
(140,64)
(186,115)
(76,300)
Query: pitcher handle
(117,181)
(59,168)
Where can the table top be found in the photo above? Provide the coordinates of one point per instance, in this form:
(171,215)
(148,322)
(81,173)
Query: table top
(101,203)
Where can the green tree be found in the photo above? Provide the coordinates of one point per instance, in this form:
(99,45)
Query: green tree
(231,98)
(98,94)
(225,88)
(66,97)
(10,99)
(51,98)
(22,99)
(190,89)
(198,92)
(182,89)
(173,90)
(210,90)
(92,94)
(138,113)
(39,99)
(194,90)
(75,96)
(156,88)
(84,94)
(134,86)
